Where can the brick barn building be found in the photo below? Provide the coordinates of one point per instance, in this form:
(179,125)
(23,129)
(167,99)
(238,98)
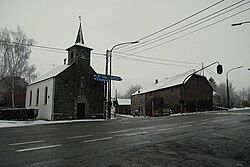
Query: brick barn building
(166,95)
(68,91)
(123,106)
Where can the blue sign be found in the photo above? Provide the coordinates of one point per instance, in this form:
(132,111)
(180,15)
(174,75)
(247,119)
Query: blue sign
(106,78)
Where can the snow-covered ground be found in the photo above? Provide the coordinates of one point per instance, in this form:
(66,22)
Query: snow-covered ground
(7,123)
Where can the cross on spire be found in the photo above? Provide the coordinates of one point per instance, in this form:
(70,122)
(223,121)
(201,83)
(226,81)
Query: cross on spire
(79,37)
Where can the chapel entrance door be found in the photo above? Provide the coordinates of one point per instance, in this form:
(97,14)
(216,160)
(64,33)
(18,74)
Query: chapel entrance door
(80,110)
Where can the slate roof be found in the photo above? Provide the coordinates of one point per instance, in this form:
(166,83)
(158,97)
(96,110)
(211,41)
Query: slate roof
(165,83)
(52,73)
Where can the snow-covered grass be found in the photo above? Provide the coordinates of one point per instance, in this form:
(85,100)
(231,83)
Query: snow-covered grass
(237,109)
(7,123)
(205,112)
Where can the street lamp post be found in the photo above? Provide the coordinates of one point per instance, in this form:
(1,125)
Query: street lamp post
(228,98)
(110,72)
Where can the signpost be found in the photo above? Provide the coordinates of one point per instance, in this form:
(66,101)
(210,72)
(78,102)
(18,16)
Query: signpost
(106,78)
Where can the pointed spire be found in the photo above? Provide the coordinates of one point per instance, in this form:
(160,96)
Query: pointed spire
(79,38)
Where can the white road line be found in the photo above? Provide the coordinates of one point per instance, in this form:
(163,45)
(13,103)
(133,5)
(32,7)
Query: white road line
(190,122)
(100,139)
(169,125)
(185,126)
(75,137)
(14,131)
(108,124)
(126,122)
(50,129)
(202,123)
(134,134)
(164,129)
(120,131)
(38,148)
(149,127)
(145,142)
(28,142)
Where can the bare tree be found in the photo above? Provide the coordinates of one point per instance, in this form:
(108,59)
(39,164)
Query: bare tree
(15,51)
(131,90)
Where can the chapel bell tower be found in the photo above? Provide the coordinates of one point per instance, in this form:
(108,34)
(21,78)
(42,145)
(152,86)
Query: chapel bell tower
(79,52)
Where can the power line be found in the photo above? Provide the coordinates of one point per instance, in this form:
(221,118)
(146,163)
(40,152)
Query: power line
(161,37)
(153,62)
(209,25)
(46,48)
(178,22)
(159,59)
(239,83)
(181,20)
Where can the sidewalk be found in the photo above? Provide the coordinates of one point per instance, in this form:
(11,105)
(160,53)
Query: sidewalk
(8,123)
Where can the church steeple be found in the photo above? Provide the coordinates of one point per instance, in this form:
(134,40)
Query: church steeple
(79,37)
(79,53)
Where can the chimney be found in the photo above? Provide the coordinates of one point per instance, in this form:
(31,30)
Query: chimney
(156,81)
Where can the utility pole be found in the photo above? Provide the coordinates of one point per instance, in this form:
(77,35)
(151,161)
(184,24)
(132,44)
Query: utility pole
(110,73)
(105,85)
(228,97)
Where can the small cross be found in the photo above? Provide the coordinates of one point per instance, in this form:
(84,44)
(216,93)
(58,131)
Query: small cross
(80,19)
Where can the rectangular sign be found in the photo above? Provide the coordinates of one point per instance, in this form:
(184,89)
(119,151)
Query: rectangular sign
(106,78)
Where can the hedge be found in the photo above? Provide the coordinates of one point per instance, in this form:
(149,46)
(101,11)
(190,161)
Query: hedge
(18,114)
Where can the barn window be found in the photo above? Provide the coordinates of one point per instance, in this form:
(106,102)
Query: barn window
(46,95)
(37,97)
(30,97)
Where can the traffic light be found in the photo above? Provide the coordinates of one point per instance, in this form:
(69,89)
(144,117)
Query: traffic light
(219,69)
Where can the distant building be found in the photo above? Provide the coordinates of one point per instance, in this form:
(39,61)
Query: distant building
(123,106)
(6,92)
(196,94)
(68,91)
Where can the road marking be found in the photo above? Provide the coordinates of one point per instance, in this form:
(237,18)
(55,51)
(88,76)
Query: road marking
(134,134)
(185,126)
(164,129)
(75,137)
(15,131)
(108,124)
(144,121)
(38,148)
(189,122)
(202,123)
(50,129)
(120,131)
(145,142)
(28,142)
(126,122)
(215,121)
(100,139)
(222,136)
(149,127)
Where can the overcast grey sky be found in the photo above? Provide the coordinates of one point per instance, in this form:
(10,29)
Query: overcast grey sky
(108,22)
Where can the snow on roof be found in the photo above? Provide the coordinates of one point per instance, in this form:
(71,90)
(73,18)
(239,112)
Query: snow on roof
(166,83)
(124,101)
(52,73)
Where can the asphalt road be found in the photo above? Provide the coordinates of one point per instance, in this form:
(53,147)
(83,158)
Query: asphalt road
(205,139)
